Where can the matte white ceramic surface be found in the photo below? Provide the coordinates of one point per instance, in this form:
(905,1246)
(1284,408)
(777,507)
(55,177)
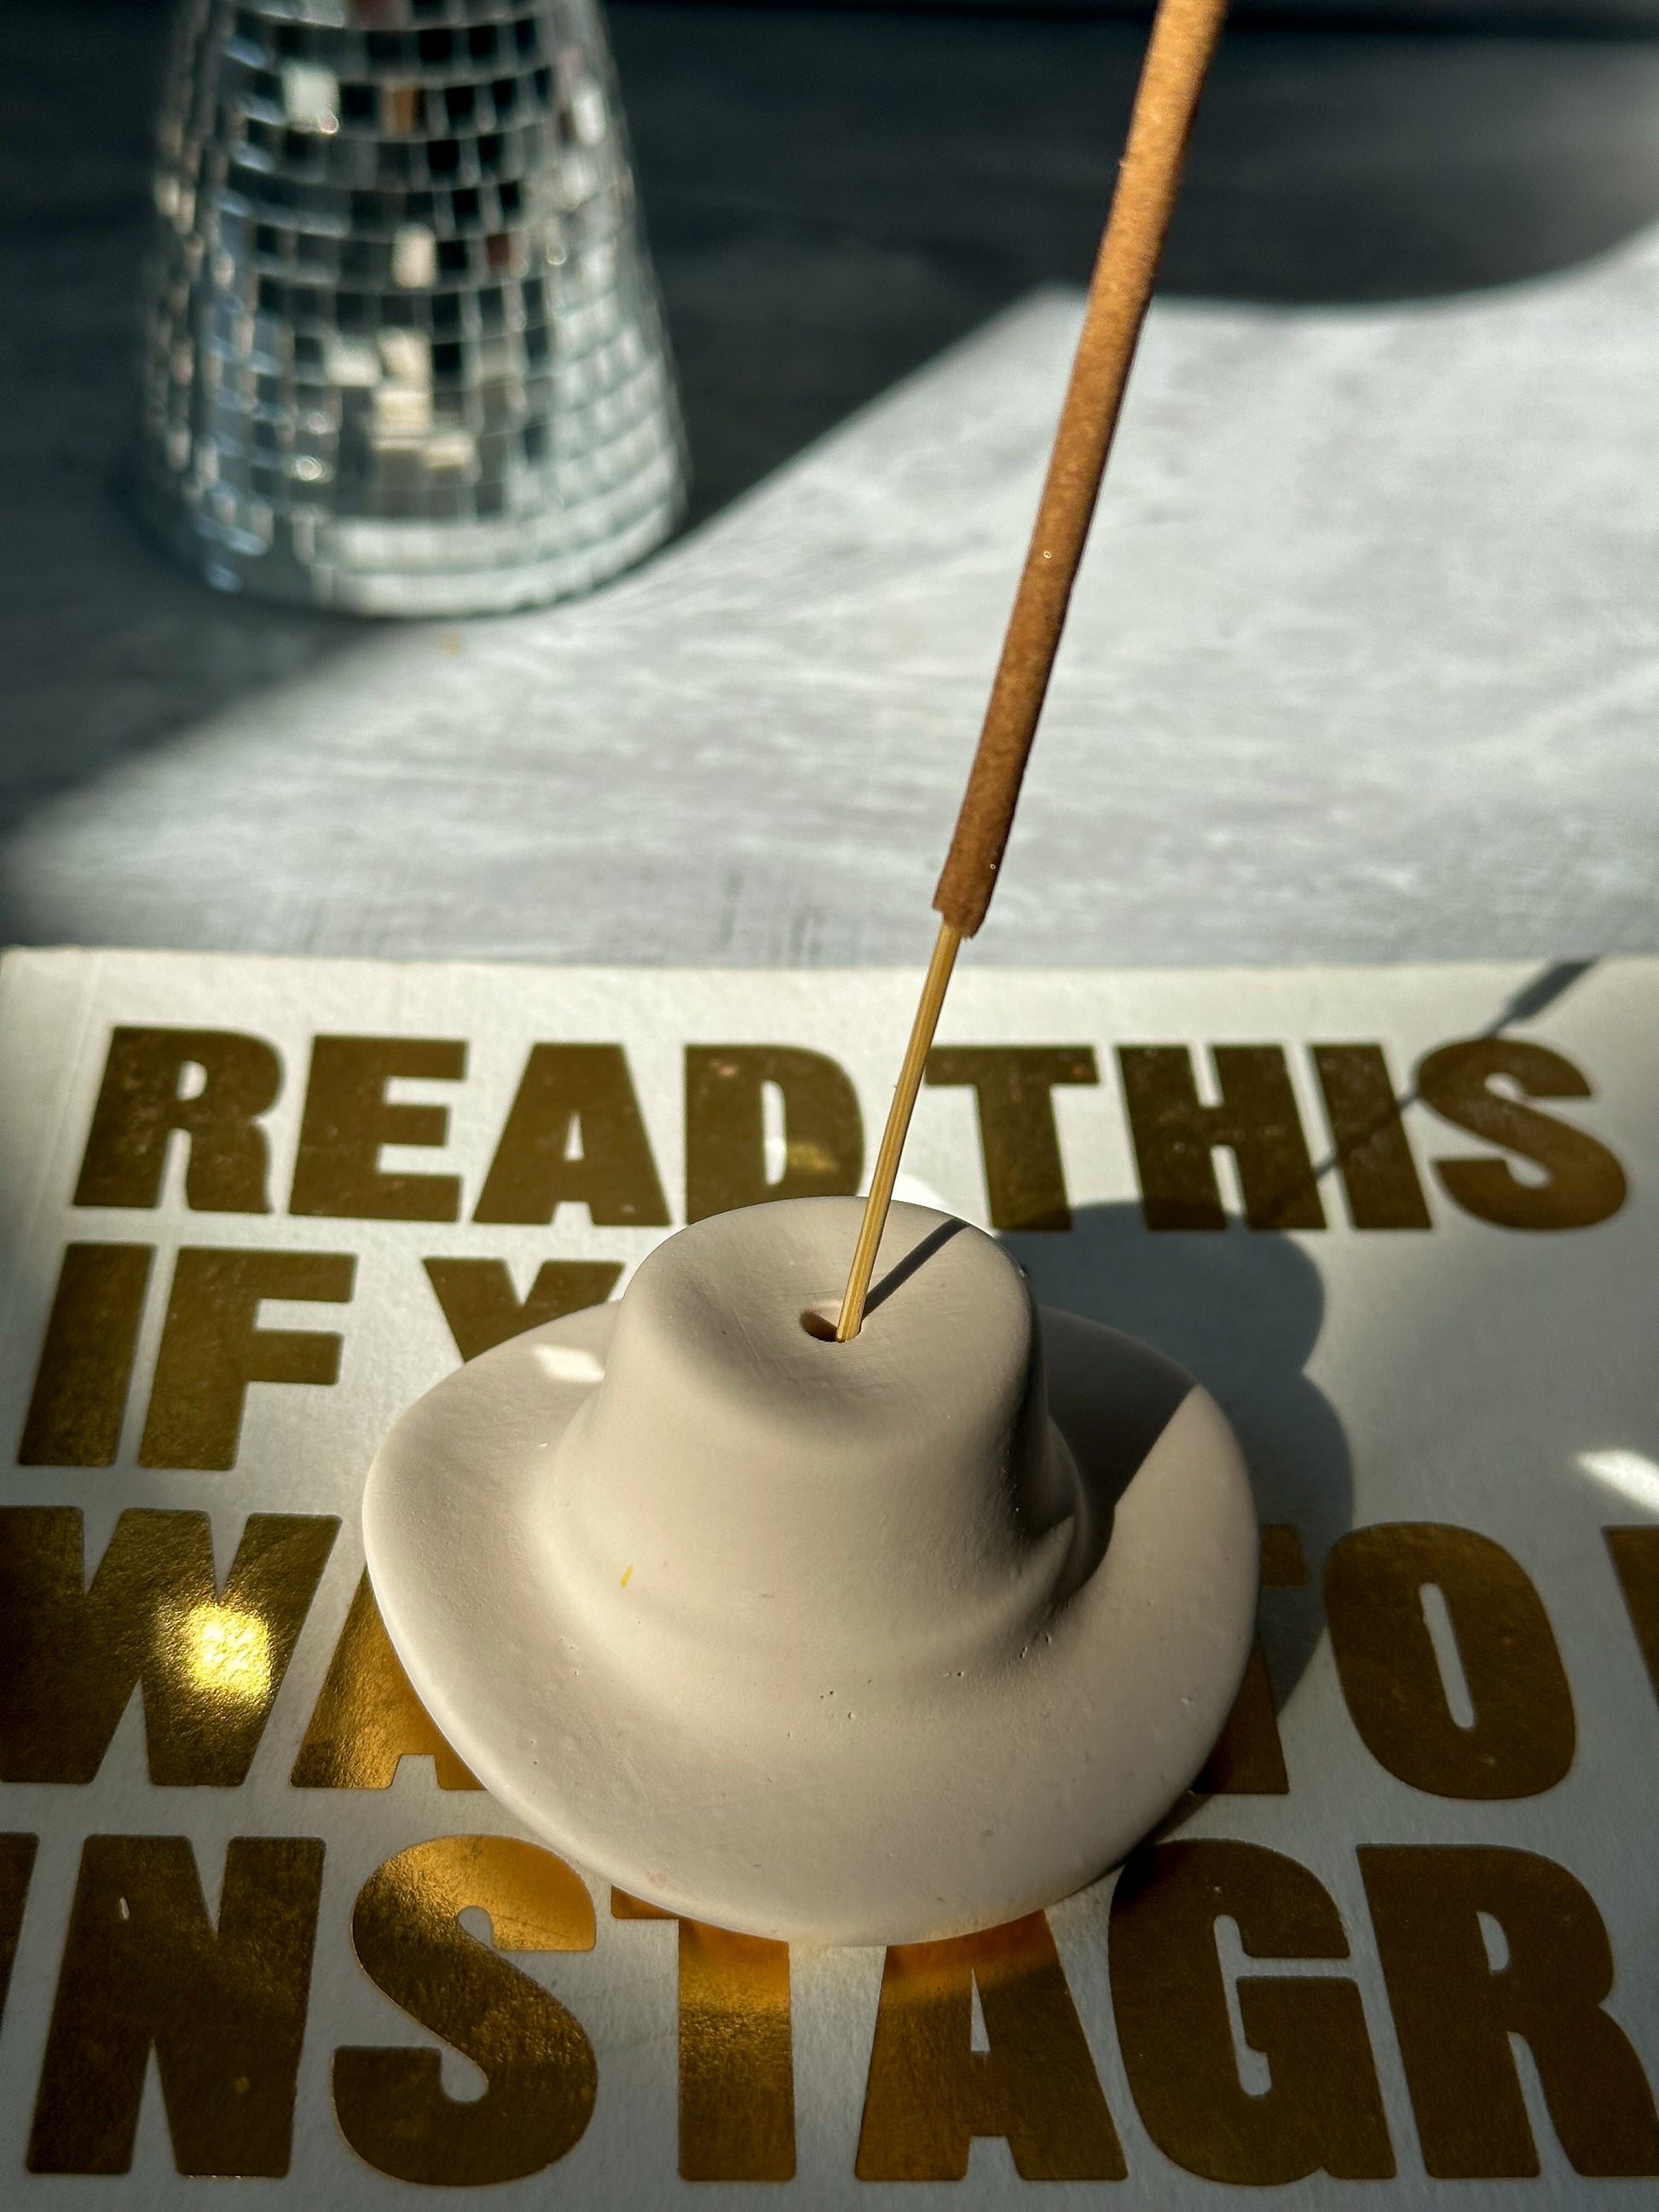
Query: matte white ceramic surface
(864,1643)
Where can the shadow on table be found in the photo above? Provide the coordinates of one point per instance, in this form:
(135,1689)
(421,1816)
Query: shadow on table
(833,198)
(1241,1309)
(1374,167)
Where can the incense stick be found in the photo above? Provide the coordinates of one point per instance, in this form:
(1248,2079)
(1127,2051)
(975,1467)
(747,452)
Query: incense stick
(898,1122)
(1183,40)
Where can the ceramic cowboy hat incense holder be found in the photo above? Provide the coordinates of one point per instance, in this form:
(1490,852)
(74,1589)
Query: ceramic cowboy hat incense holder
(859,1642)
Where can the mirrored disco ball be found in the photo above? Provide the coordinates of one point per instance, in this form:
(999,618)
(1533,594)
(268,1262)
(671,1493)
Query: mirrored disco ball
(403,349)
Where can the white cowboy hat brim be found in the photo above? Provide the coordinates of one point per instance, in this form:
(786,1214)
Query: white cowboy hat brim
(997,1797)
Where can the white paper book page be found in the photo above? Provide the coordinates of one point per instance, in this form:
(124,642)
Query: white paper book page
(1401,1221)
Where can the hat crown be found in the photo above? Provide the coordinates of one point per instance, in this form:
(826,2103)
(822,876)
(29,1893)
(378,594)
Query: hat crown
(740,1486)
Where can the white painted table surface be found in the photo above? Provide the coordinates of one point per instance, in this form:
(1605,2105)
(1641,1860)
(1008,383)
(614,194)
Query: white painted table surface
(1363,665)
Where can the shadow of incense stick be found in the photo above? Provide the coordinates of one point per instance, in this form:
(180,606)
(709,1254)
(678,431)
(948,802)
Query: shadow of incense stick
(1550,984)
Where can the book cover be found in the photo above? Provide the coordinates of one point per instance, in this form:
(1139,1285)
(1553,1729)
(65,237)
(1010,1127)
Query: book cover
(258,1925)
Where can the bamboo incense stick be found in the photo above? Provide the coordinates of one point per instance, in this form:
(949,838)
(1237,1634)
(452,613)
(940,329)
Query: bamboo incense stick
(851,1318)
(1183,40)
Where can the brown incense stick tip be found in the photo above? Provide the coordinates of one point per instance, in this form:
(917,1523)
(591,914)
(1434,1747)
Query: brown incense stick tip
(1183,40)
